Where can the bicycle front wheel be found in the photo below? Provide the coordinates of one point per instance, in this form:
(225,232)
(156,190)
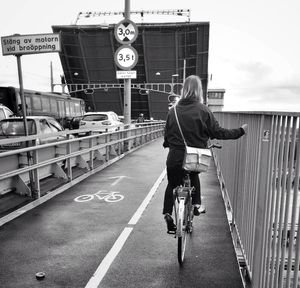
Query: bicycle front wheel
(181,232)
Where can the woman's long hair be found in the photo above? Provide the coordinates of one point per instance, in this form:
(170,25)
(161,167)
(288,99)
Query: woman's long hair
(192,89)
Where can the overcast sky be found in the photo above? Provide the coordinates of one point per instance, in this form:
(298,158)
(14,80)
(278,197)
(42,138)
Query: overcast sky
(253,53)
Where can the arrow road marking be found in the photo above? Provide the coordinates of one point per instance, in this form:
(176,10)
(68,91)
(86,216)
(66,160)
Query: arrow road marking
(119,178)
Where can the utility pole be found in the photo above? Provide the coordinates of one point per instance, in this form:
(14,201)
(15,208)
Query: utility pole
(127,82)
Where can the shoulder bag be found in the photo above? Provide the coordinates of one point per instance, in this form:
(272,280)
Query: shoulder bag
(195,159)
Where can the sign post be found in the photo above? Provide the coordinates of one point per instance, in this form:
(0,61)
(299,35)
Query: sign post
(126,57)
(30,44)
(126,74)
(24,111)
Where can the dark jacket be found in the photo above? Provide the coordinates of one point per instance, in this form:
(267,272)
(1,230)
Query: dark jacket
(198,124)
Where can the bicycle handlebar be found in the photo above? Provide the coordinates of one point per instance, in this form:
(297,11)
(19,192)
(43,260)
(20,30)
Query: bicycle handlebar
(215,146)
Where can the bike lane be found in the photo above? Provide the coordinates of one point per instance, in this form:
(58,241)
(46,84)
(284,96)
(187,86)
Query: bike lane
(149,256)
(67,239)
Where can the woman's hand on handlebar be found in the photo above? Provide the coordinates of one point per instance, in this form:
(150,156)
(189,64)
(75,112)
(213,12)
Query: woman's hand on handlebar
(245,128)
(218,146)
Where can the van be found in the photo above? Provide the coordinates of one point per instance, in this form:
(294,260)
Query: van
(36,125)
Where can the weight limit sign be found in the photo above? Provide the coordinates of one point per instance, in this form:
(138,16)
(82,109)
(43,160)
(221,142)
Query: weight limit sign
(126,57)
(126,31)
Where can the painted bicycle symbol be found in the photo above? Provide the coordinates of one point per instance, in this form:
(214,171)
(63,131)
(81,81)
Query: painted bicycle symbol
(108,196)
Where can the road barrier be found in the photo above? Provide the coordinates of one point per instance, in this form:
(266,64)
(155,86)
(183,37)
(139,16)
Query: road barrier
(38,170)
(259,177)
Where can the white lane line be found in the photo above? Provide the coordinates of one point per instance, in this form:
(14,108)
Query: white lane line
(118,179)
(135,218)
(97,277)
(108,259)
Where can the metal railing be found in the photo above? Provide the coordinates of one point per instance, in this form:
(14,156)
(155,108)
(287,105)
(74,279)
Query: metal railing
(259,176)
(25,170)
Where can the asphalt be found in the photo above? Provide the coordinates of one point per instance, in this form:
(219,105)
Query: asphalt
(67,240)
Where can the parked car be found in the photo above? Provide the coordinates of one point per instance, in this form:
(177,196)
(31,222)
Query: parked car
(121,118)
(101,122)
(13,127)
(5,112)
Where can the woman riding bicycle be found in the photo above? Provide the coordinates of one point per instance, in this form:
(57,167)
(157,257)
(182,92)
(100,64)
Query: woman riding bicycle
(198,125)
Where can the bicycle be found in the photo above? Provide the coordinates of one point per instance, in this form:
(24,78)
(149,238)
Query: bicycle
(184,215)
(108,196)
(184,212)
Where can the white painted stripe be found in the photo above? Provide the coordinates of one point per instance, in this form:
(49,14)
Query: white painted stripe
(109,258)
(135,218)
(119,178)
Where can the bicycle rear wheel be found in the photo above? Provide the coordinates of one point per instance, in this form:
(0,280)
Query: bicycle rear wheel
(181,232)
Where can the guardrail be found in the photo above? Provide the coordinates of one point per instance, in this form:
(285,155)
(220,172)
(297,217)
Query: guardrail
(259,176)
(38,170)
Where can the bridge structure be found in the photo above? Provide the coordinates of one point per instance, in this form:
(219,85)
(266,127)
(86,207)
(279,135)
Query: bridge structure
(247,238)
(166,52)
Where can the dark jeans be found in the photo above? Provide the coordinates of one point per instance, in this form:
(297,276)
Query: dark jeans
(175,178)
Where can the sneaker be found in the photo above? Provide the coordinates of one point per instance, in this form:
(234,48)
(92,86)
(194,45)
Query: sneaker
(198,209)
(170,223)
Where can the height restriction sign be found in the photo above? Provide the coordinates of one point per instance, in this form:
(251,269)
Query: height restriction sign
(126,31)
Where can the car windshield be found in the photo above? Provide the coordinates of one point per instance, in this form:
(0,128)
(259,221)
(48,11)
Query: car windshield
(54,126)
(95,117)
(15,127)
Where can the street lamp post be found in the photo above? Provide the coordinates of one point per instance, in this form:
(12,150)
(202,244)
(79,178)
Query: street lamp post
(172,80)
(172,84)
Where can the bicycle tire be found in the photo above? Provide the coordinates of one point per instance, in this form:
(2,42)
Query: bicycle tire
(181,232)
(190,218)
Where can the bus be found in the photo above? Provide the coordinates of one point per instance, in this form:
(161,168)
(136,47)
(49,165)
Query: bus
(61,106)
